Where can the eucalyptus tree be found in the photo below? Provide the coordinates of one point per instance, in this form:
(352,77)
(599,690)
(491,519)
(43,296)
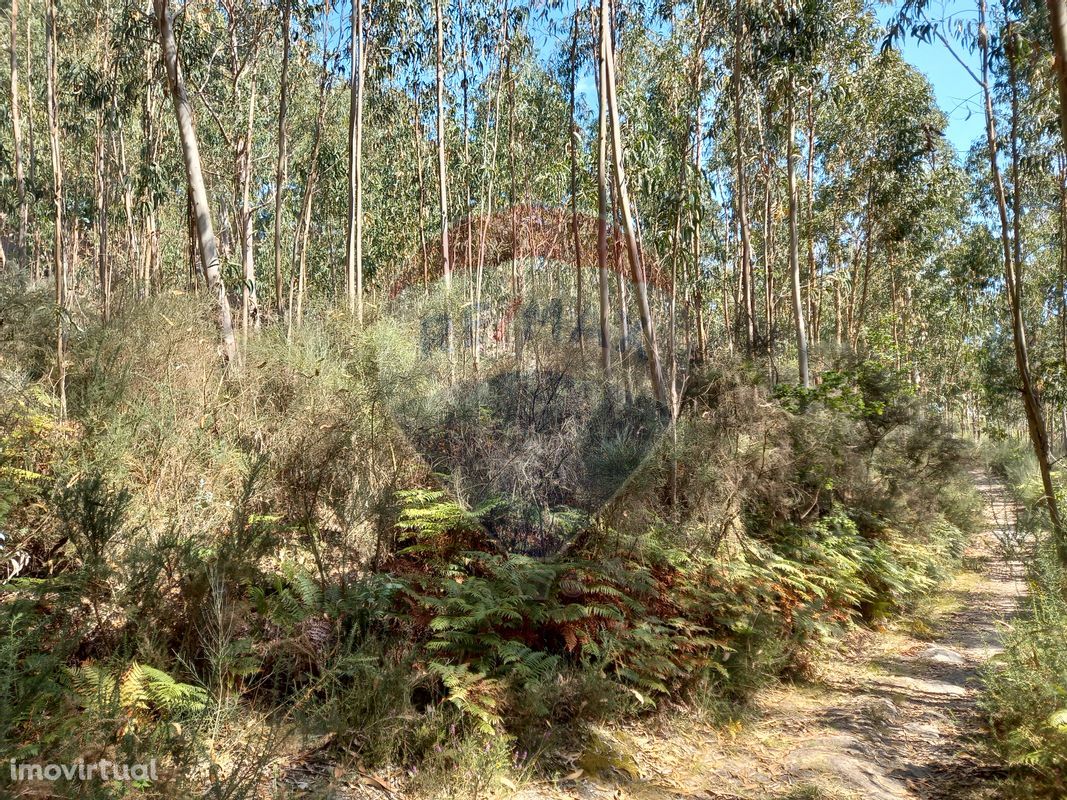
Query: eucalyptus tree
(354,239)
(190,148)
(609,96)
(574,141)
(1013,266)
(59,265)
(16,130)
(1057,11)
(994,42)
(603,208)
(281,175)
(442,166)
(740,189)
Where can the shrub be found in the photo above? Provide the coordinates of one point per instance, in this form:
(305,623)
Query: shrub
(1026,686)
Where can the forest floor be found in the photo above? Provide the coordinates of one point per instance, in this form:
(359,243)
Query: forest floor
(889,715)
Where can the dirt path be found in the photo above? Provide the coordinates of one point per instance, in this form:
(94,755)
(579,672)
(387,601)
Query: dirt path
(894,717)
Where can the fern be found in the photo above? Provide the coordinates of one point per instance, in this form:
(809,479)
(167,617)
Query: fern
(470,692)
(138,690)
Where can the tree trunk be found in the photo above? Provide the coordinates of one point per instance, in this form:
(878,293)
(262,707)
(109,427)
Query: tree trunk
(747,289)
(603,209)
(147,200)
(794,246)
(768,257)
(490,168)
(250,303)
(281,170)
(103,267)
(205,230)
(1057,11)
(133,254)
(1035,420)
(354,244)
(417,133)
(16,125)
(468,226)
(442,175)
(574,132)
(59,269)
(837,311)
(442,164)
(814,281)
(300,244)
(633,250)
(698,293)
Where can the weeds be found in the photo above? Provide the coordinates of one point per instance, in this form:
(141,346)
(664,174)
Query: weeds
(241,572)
(1026,686)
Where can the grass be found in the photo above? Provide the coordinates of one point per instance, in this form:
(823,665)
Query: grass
(926,620)
(1025,697)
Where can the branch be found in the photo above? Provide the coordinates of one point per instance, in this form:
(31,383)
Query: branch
(954,54)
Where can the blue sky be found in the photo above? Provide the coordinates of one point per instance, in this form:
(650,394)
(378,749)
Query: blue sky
(956,92)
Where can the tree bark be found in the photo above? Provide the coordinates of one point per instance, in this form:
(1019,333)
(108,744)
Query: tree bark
(205,230)
(103,267)
(59,269)
(282,168)
(633,250)
(16,125)
(442,174)
(747,289)
(417,134)
(794,246)
(574,131)
(1057,11)
(698,291)
(603,209)
(1035,419)
(354,244)
(250,303)
(814,280)
(490,168)
(442,164)
(100,187)
(768,256)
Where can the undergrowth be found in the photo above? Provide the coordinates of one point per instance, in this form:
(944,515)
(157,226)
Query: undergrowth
(232,574)
(1026,686)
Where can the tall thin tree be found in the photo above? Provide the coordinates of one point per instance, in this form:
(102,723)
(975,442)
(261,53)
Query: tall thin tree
(573,131)
(794,243)
(16,129)
(442,171)
(633,249)
(59,267)
(603,207)
(1035,419)
(282,168)
(205,230)
(354,242)
(748,291)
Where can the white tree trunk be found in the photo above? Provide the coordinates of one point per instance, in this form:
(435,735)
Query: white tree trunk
(794,247)
(633,250)
(209,256)
(58,261)
(16,125)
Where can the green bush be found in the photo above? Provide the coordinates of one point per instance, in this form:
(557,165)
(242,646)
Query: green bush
(260,559)
(1026,686)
